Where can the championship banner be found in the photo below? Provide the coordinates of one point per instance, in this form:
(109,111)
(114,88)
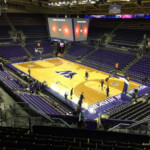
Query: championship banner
(115,8)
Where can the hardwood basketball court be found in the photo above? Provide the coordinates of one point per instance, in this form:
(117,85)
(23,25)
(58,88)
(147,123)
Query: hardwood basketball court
(56,72)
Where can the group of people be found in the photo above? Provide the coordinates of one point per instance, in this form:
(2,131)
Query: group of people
(32,87)
(102,85)
(82,94)
(101,82)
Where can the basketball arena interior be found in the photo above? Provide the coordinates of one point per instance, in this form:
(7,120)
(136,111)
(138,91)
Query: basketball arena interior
(74,75)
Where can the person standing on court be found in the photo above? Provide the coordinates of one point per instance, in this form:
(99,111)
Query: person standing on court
(135,95)
(86,75)
(107,79)
(66,96)
(102,83)
(71,93)
(70,75)
(29,71)
(107,91)
(81,99)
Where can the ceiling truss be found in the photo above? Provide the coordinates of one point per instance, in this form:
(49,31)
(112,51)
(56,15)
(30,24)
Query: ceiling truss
(43,7)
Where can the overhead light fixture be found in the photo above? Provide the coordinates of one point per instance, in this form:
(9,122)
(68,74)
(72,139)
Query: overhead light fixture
(83,1)
(5,1)
(93,2)
(74,1)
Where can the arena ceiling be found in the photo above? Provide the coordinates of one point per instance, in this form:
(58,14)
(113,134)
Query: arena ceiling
(79,7)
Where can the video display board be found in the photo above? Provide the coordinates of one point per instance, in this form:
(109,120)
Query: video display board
(81,27)
(61,28)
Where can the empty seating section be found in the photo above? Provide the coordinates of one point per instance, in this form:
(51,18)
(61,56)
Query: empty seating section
(107,58)
(128,31)
(4,28)
(5,40)
(117,108)
(31,25)
(135,112)
(38,103)
(128,36)
(140,69)
(57,106)
(78,50)
(98,32)
(12,51)
(55,138)
(132,31)
(33,31)
(4,31)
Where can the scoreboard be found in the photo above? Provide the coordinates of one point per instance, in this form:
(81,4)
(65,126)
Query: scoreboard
(68,29)
(81,29)
(61,28)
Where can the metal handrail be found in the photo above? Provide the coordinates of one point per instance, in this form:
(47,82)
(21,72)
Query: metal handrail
(44,115)
(24,122)
(125,124)
(62,121)
(139,122)
(51,119)
(128,126)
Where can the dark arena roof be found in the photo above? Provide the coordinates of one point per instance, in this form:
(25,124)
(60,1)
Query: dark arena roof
(79,7)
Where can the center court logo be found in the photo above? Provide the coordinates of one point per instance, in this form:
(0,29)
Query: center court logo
(66,74)
(30,65)
(115,83)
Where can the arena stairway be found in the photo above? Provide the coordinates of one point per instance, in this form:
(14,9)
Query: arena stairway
(9,22)
(89,53)
(130,64)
